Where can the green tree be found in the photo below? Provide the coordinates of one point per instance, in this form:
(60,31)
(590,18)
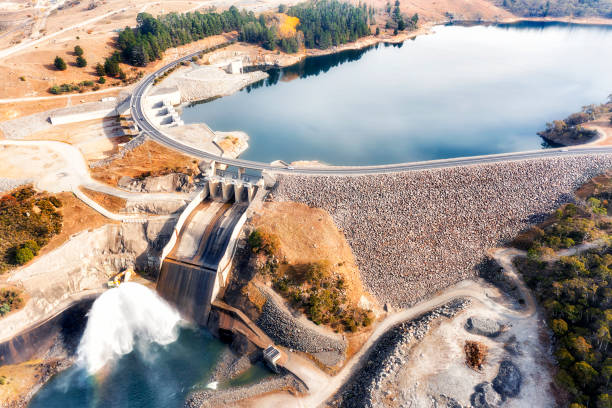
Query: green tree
(584,373)
(78,51)
(23,255)
(100,71)
(59,63)
(81,62)
(604,401)
(111,67)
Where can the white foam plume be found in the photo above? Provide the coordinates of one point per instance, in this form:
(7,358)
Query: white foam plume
(120,317)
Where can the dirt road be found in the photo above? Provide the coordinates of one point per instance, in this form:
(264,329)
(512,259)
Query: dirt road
(322,386)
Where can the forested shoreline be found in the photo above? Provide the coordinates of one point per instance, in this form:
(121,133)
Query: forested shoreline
(315,24)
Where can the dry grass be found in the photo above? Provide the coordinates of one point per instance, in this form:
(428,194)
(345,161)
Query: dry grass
(19,380)
(148,158)
(308,235)
(110,202)
(78,217)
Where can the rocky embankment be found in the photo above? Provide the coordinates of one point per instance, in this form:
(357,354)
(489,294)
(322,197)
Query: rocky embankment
(233,396)
(291,333)
(364,388)
(414,233)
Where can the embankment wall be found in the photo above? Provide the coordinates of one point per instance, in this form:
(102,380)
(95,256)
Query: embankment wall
(416,232)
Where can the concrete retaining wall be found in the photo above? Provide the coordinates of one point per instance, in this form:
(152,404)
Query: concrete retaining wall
(200,196)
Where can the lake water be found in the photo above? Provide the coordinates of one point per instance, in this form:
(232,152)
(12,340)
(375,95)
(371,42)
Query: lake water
(459,92)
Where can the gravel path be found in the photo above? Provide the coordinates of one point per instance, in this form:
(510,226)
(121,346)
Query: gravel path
(416,232)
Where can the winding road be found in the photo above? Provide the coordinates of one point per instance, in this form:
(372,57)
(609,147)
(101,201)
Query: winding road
(323,386)
(152,131)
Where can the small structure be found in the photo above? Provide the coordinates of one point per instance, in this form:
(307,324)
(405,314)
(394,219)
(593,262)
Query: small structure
(271,356)
(234,67)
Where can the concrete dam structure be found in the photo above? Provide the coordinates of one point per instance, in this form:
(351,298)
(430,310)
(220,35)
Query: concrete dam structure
(198,266)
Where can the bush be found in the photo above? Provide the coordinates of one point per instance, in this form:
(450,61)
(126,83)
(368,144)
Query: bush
(102,80)
(100,71)
(78,51)
(81,62)
(23,255)
(59,63)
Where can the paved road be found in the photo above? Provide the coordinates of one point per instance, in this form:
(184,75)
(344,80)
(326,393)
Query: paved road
(158,135)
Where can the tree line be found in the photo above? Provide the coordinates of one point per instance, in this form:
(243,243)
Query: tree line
(576,294)
(558,8)
(322,24)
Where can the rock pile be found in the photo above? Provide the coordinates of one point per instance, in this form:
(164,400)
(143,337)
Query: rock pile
(365,387)
(416,232)
(289,332)
(483,326)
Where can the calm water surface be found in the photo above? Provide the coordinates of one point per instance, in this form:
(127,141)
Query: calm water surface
(461,91)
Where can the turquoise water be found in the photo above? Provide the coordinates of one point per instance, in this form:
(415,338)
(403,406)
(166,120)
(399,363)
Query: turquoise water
(462,91)
(151,376)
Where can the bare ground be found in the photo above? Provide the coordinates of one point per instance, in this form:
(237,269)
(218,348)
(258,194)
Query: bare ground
(150,157)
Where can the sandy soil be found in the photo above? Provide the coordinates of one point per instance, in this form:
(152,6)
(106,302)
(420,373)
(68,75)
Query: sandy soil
(111,203)
(96,139)
(310,235)
(41,161)
(437,364)
(13,110)
(20,378)
(148,157)
(604,127)
(78,217)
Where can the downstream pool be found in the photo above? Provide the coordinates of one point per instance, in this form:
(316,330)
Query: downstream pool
(459,92)
(136,352)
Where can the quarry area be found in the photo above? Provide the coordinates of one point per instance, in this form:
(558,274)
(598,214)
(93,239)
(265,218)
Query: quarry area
(366,289)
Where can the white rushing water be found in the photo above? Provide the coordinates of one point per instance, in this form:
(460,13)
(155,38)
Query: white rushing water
(121,318)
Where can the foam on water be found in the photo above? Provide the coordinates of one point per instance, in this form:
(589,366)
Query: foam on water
(122,318)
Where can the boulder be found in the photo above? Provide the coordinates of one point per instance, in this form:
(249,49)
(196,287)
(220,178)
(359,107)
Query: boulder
(485,396)
(508,380)
(483,326)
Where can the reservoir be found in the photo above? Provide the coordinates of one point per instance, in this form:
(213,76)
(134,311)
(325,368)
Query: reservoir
(460,91)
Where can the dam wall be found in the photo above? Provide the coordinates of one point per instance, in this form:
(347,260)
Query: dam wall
(416,232)
(189,287)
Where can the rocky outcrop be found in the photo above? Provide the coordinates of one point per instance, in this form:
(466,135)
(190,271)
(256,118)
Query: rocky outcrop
(169,183)
(81,266)
(483,326)
(507,383)
(416,232)
(232,396)
(289,332)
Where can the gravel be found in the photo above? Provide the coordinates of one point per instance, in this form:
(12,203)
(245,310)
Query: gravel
(366,387)
(483,326)
(231,396)
(289,332)
(414,233)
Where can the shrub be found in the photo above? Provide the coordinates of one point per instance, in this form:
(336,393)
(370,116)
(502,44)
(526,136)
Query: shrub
(55,201)
(81,62)
(475,354)
(102,80)
(23,255)
(59,63)
(78,51)
(100,71)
